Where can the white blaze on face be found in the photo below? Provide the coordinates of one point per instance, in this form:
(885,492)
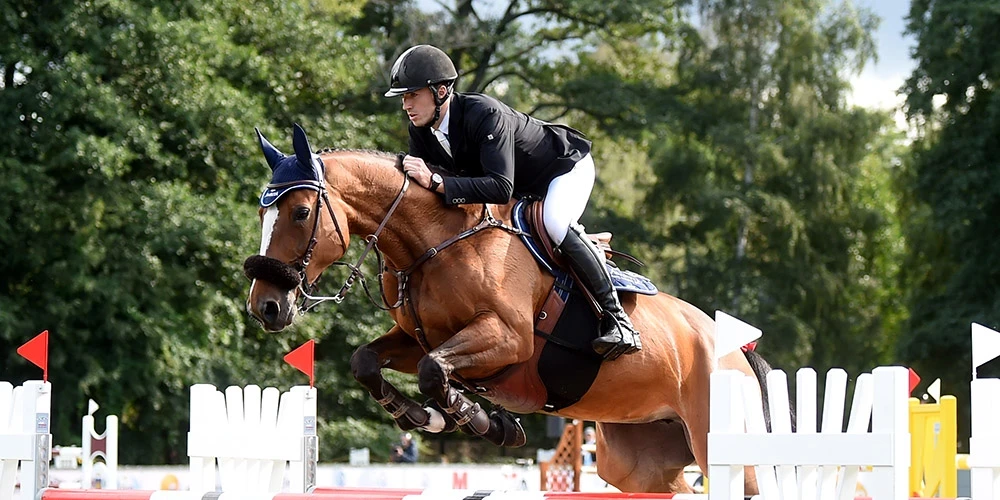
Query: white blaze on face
(267,228)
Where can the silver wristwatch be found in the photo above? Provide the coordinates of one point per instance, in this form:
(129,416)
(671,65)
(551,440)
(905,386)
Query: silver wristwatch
(436,181)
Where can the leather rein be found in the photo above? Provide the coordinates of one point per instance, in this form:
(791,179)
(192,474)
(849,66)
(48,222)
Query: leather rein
(402,276)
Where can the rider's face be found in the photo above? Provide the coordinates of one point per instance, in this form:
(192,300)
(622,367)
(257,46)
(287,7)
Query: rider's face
(419,106)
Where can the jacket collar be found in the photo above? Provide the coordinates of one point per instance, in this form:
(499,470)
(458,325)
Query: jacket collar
(456,126)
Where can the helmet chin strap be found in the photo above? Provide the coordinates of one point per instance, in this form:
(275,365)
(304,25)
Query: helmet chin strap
(438,102)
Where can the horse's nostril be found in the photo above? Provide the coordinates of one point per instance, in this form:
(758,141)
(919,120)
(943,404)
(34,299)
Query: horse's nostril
(271,310)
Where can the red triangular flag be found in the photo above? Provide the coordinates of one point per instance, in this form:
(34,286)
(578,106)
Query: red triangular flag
(36,350)
(914,380)
(302,358)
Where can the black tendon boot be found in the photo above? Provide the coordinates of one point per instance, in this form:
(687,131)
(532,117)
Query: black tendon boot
(619,336)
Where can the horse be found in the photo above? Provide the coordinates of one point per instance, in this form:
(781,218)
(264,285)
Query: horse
(465,294)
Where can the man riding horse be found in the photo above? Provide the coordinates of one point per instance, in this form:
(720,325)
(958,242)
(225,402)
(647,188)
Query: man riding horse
(491,153)
(498,334)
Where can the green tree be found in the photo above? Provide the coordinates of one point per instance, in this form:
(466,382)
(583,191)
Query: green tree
(129,188)
(775,188)
(951,192)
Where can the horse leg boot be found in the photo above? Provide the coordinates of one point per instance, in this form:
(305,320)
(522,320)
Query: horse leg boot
(498,427)
(618,335)
(407,413)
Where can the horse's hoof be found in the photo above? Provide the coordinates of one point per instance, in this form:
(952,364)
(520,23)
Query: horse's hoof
(513,435)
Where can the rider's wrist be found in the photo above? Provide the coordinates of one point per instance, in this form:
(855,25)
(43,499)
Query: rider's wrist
(435,181)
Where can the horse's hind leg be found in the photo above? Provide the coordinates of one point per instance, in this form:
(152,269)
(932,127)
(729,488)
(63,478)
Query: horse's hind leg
(697,415)
(646,457)
(400,352)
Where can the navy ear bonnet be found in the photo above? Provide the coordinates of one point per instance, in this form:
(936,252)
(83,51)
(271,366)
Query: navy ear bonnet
(303,170)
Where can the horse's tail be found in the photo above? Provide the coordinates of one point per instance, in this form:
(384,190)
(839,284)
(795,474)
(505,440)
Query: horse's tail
(761,368)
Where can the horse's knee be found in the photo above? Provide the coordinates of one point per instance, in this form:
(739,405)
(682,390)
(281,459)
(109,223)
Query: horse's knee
(365,366)
(431,379)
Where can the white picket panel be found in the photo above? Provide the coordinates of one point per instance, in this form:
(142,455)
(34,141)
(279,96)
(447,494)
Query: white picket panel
(805,464)
(25,441)
(250,435)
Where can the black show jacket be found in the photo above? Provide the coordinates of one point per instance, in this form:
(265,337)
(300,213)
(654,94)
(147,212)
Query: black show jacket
(498,151)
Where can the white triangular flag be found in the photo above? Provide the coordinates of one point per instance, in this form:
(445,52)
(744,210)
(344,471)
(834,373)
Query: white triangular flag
(92,407)
(985,345)
(732,334)
(934,390)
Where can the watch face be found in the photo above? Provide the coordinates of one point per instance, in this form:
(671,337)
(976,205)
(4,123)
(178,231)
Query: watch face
(437,178)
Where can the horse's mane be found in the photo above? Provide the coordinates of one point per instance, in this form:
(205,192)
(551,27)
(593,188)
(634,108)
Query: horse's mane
(473,210)
(372,152)
(367,152)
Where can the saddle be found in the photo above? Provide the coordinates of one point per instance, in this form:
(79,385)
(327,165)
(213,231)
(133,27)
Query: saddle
(527,217)
(563,365)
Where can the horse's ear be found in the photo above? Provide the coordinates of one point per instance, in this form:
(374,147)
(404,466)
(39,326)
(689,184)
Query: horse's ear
(271,153)
(303,151)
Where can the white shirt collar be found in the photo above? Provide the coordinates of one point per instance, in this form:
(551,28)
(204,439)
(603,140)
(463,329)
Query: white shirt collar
(445,120)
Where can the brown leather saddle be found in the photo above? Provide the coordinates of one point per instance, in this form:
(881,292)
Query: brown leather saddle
(553,307)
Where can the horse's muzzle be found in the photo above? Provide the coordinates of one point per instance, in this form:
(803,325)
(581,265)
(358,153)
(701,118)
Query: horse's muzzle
(275,309)
(273,271)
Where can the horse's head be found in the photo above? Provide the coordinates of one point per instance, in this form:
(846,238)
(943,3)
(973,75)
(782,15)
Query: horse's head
(302,233)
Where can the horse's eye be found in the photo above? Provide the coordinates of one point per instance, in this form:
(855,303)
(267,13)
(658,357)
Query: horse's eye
(301,214)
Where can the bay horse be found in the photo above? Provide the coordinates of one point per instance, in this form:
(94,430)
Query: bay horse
(464,294)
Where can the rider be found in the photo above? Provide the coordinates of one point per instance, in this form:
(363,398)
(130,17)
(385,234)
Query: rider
(492,153)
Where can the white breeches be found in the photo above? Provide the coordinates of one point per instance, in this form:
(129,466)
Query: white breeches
(566,198)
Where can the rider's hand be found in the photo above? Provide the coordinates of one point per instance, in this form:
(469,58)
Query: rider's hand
(417,170)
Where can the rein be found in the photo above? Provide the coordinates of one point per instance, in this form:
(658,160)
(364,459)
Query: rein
(487,221)
(310,301)
(402,276)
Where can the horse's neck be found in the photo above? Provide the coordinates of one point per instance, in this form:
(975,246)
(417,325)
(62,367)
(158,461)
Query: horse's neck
(369,187)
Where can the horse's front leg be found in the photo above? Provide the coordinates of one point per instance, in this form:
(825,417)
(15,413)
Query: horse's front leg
(398,351)
(486,344)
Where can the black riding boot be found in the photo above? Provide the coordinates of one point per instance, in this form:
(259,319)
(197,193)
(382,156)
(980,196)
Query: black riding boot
(619,336)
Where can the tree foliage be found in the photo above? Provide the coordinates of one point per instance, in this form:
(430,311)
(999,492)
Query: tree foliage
(951,193)
(129,187)
(773,187)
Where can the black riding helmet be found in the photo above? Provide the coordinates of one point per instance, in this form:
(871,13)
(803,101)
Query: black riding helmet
(420,66)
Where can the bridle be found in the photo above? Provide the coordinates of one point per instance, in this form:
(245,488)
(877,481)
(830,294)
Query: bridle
(305,288)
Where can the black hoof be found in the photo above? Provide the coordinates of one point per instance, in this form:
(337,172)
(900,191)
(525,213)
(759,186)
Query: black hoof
(506,430)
